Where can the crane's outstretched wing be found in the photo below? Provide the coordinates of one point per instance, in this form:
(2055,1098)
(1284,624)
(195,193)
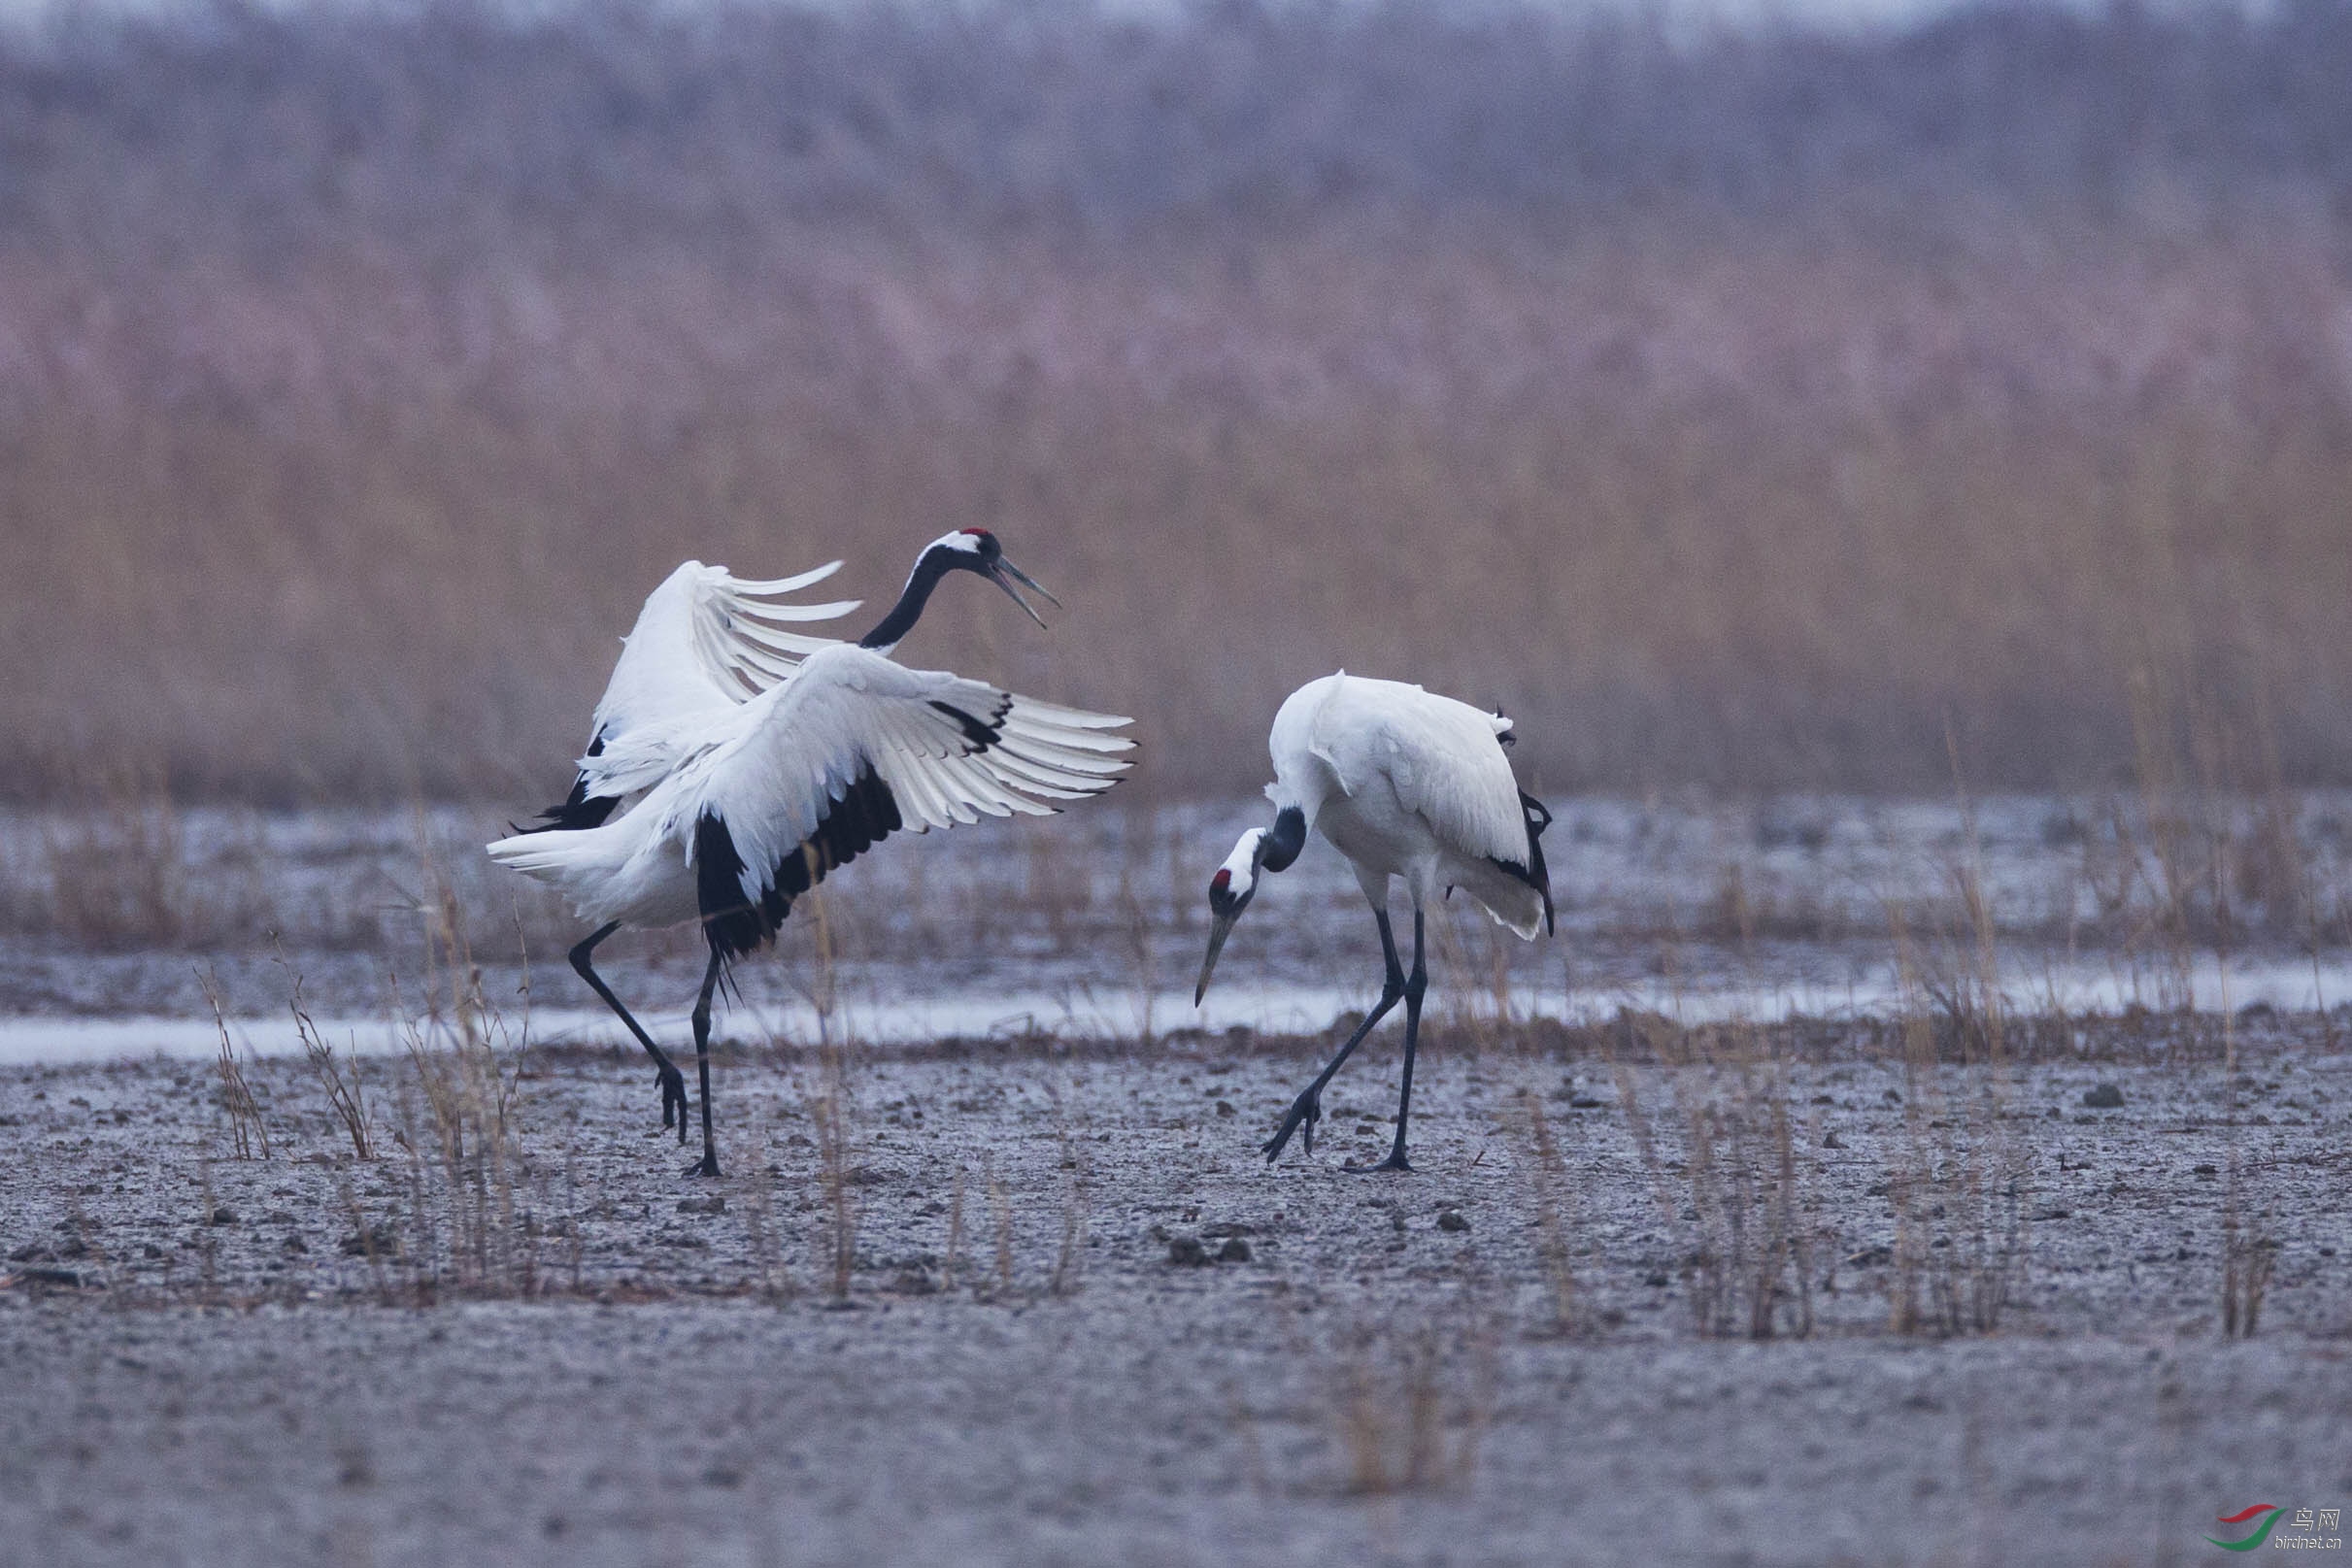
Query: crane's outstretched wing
(705,642)
(856,747)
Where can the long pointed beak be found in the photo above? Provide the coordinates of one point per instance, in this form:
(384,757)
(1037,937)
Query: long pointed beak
(1004,574)
(1221,927)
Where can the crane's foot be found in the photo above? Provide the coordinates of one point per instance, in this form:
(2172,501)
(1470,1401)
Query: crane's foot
(1305,1113)
(673,1099)
(1395,1162)
(706,1165)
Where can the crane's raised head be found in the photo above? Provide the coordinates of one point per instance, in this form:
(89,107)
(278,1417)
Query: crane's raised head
(976,549)
(1230,891)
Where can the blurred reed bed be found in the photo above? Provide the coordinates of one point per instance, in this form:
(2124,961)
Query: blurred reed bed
(1764,411)
(1763,521)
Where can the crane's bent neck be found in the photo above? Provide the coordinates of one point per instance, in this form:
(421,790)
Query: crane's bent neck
(1288,838)
(892,629)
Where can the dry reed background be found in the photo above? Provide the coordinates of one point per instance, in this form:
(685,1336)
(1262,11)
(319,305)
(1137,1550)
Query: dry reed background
(1766,410)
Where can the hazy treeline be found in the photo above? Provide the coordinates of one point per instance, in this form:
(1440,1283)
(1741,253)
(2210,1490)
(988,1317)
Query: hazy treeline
(443,130)
(1761,409)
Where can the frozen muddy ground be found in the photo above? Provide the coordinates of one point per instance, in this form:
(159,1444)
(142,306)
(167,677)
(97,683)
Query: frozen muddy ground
(559,1349)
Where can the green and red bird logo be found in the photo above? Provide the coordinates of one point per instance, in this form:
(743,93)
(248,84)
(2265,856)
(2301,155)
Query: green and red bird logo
(2255,1537)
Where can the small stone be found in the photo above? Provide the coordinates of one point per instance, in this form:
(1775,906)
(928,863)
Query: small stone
(225,1216)
(1187,1250)
(1452,1219)
(1656,1278)
(1235,1251)
(66,1277)
(1830,1139)
(2103,1097)
(379,1240)
(1224,1108)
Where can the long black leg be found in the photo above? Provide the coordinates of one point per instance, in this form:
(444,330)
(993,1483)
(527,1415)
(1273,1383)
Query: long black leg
(1307,1109)
(1416,983)
(673,1082)
(709,1165)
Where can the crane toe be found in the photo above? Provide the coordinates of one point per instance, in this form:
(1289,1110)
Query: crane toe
(1305,1113)
(673,1099)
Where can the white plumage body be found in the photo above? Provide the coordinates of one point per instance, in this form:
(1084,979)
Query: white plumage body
(771,769)
(1408,784)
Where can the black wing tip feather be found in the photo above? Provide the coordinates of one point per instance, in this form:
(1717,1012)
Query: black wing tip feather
(866,815)
(981,733)
(576,812)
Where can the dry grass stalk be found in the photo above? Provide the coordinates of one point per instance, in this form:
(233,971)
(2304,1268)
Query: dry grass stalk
(377,1244)
(1959,1219)
(954,1249)
(339,1076)
(246,1127)
(1064,1279)
(1740,1223)
(2247,1259)
(1000,1206)
(468,1137)
(1547,1176)
(829,1113)
(1413,1408)
(208,1249)
(2246,1264)
(118,864)
(1139,933)
(757,1189)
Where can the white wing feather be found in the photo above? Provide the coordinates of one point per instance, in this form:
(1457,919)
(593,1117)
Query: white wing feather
(800,746)
(706,642)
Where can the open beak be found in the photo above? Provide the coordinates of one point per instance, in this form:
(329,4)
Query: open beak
(1221,927)
(1004,574)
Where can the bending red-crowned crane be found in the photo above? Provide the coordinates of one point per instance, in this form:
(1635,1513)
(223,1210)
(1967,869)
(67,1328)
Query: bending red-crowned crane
(1405,784)
(761,799)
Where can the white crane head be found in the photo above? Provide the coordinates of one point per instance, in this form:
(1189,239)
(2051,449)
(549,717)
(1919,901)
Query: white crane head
(1236,883)
(1230,891)
(976,549)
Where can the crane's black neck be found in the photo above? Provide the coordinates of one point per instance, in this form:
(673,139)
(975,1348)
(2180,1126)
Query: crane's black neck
(1289,837)
(892,629)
